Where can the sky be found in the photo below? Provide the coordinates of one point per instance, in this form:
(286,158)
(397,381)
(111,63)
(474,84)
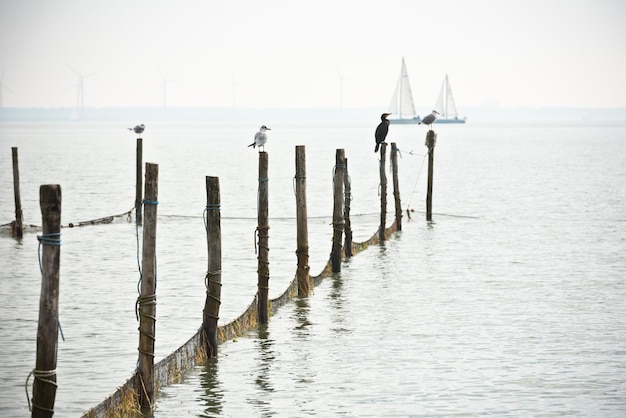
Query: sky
(303,54)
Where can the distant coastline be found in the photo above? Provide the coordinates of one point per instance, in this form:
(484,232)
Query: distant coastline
(132,114)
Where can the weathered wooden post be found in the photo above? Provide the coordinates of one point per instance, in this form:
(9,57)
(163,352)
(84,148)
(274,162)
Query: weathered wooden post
(302,234)
(263,240)
(147,299)
(396,186)
(338,201)
(17,230)
(45,379)
(214,270)
(383,192)
(138,194)
(431,140)
(347,191)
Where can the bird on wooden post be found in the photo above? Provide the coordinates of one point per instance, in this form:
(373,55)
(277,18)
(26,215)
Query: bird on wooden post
(430,119)
(138,129)
(381,130)
(260,138)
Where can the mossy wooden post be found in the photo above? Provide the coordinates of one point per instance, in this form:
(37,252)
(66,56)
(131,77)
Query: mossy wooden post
(214,270)
(138,194)
(302,231)
(431,139)
(263,243)
(17,230)
(147,299)
(383,192)
(347,191)
(396,186)
(45,379)
(338,224)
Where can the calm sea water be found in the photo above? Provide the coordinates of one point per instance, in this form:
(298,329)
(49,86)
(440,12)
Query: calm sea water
(510,303)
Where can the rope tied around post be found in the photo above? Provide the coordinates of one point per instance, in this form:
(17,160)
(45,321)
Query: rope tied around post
(261,232)
(45,377)
(144,301)
(53,239)
(209,207)
(208,280)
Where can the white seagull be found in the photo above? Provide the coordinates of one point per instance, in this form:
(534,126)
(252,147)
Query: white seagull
(260,138)
(429,119)
(138,129)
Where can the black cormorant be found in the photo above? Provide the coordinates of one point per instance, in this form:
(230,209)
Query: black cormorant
(381,130)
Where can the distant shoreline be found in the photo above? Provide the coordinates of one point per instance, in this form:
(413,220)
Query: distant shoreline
(473,114)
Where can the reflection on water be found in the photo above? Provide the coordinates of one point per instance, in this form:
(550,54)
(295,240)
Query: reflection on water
(264,363)
(212,396)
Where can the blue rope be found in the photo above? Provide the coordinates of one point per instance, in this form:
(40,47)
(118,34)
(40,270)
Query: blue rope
(210,206)
(263,179)
(49,239)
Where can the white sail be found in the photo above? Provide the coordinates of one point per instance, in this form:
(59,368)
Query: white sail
(402,106)
(445,102)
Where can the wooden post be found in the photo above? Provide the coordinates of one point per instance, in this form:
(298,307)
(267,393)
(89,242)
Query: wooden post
(147,300)
(17,230)
(302,234)
(214,270)
(338,224)
(347,247)
(263,236)
(138,194)
(396,186)
(383,192)
(45,383)
(431,139)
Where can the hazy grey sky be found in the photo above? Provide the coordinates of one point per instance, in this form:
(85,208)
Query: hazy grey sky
(289,53)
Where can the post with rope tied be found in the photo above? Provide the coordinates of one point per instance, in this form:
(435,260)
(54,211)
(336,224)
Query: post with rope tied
(45,379)
(138,184)
(347,192)
(213,280)
(146,302)
(338,221)
(396,186)
(302,231)
(383,193)
(431,140)
(263,227)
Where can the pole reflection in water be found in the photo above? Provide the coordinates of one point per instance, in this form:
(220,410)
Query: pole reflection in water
(265,357)
(212,396)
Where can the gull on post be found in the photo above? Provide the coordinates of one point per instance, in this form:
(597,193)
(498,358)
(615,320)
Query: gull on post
(260,138)
(138,129)
(429,119)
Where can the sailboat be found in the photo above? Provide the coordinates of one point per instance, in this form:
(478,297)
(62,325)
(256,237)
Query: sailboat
(402,107)
(445,105)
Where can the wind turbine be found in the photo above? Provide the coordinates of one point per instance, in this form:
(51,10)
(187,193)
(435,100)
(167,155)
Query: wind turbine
(80,92)
(232,77)
(163,87)
(2,87)
(340,86)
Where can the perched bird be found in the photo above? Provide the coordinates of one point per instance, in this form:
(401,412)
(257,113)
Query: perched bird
(138,129)
(381,130)
(429,119)
(260,138)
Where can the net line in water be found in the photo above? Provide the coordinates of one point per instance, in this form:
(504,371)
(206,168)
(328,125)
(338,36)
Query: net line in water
(171,368)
